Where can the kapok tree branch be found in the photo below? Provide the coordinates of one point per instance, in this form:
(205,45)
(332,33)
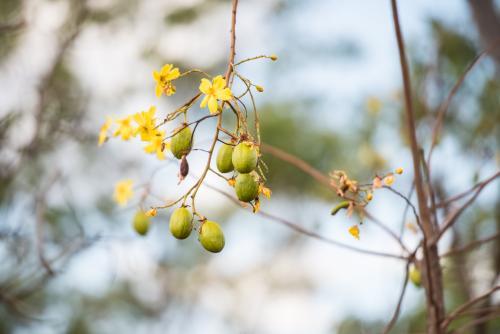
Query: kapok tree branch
(395,316)
(453,217)
(471,245)
(467,305)
(433,281)
(469,191)
(297,228)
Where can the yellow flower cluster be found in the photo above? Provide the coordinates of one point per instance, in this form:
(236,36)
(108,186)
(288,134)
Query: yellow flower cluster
(358,196)
(241,157)
(215,90)
(142,124)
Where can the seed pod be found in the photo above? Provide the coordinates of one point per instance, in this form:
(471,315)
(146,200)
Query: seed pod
(181,142)
(184,168)
(246,187)
(211,236)
(340,206)
(141,222)
(224,159)
(415,276)
(181,223)
(245,157)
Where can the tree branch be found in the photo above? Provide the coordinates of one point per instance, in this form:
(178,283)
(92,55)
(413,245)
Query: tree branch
(471,245)
(467,305)
(468,192)
(434,291)
(443,108)
(395,316)
(453,217)
(297,228)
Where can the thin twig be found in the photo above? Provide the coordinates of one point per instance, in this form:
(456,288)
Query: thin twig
(405,212)
(408,202)
(297,228)
(472,245)
(453,217)
(467,305)
(229,71)
(490,316)
(446,103)
(395,316)
(468,192)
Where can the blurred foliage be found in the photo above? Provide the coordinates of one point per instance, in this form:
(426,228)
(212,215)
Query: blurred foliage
(321,148)
(183,15)
(11,25)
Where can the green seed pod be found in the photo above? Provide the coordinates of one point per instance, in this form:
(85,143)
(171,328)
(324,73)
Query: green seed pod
(212,237)
(141,222)
(181,223)
(415,276)
(224,159)
(181,143)
(247,187)
(245,157)
(340,206)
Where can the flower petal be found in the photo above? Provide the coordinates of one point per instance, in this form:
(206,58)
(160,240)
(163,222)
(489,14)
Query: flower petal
(158,90)
(212,105)
(204,102)
(166,68)
(219,82)
(224,94)
(172,75)
(205,86)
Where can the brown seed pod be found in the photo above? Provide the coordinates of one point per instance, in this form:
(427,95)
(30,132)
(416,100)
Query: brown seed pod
(184,168)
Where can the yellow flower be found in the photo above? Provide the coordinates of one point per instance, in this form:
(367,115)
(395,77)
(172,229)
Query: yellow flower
(151,213)
(103,132)
(146,123)
(265,191)
(389,180)
(164,80)
(215,90)
(399,170)
(156,145)
(123,192)
(125,129)
(354,231)
(231,181)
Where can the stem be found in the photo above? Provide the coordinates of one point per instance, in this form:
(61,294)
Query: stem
(229,71)
(433,282)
